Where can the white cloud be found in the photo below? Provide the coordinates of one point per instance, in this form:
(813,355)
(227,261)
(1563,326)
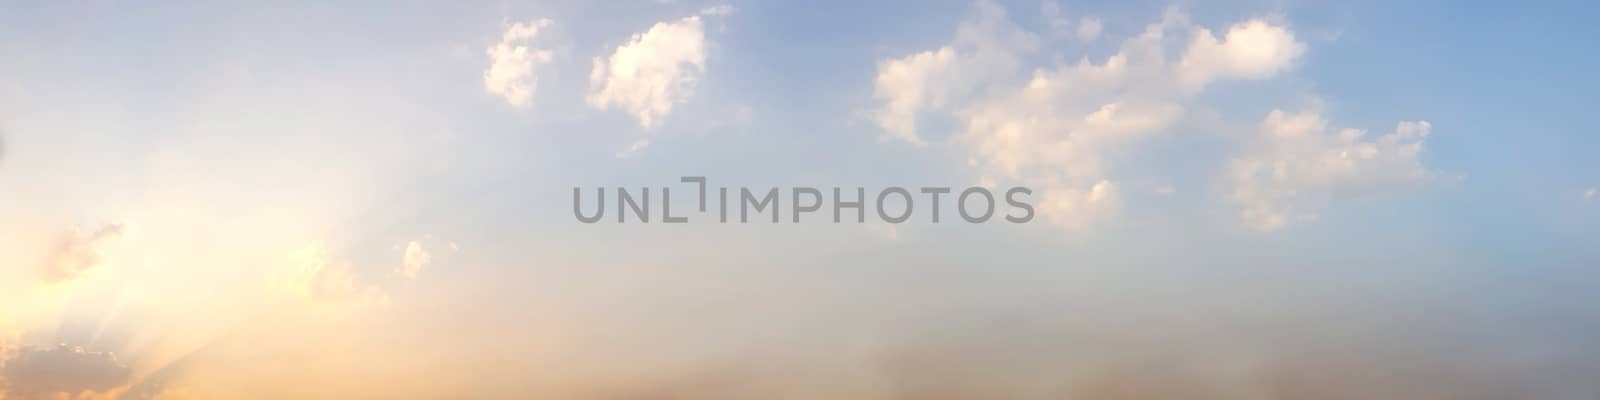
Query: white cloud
(1058,128)
(1589,194)
(985,48)
(1253,49)
(650,73)
(720,10)
(1053,130)
(635,148)
(512,62)
(1072,207)
(1089,28)
(1300,164)
(415,259)
(909,85)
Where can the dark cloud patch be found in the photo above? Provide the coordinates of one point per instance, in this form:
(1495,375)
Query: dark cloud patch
(35,372)
(74,253)
(1417,357)
(1401,354)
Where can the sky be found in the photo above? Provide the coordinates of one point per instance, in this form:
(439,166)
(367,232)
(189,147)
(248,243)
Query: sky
(1234,200)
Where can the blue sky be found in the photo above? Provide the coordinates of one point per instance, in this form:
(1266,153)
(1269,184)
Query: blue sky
(215,192)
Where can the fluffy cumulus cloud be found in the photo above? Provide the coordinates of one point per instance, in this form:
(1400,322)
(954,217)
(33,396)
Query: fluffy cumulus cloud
(1253,49)
(650,73)
(939,80)
(908,85)
(1051,127)
(414,260)
(1055,127)
(513,63)
(1301,164)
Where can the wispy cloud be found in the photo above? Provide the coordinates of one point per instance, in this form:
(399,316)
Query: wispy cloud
(75,252)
